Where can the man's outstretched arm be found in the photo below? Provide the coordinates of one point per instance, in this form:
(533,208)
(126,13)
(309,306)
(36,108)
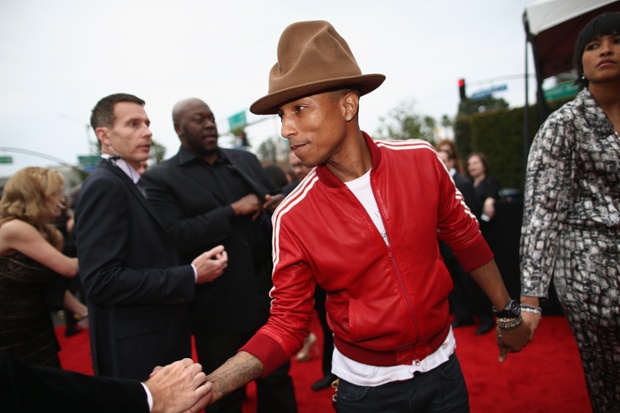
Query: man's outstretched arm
(238,371)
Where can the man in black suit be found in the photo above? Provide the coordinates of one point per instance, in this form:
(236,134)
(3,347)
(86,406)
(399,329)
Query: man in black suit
(175,388)
(138,296)
(207,195)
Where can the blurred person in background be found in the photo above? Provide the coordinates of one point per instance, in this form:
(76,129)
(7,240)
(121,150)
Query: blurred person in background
(486,186)
(33,270)
(466,299)
(65,223)
(277,175)
(571,217)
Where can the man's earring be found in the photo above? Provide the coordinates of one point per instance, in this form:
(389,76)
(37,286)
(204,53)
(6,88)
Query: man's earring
(348,118)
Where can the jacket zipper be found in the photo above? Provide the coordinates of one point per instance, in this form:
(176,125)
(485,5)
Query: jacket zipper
(401,282)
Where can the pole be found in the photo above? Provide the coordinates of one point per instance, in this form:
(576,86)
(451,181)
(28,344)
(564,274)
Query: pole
(74,119)
(44,156)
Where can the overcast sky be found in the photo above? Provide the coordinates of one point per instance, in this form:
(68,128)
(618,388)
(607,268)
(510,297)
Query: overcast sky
(59,57)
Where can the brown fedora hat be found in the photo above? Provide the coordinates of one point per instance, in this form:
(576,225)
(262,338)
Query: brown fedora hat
(312,57)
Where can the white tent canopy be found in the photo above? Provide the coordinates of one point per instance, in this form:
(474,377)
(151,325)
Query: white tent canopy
(552,27)
(545,14)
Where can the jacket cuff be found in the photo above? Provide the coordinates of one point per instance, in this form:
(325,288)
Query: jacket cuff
(267,350)
(475,255)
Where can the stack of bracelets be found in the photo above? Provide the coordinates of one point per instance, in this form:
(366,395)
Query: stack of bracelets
(531,309)
(509,323)
(514,322)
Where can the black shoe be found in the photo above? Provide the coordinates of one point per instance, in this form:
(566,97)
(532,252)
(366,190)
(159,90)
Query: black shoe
(324,383)
(462,323)
(484,328)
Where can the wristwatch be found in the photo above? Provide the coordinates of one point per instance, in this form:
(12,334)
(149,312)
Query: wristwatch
(512,310)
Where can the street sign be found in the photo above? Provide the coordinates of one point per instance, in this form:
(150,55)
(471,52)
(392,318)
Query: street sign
(563,90)
(89,162)
(237,120)
(88,159)
(6,159)
(488,92)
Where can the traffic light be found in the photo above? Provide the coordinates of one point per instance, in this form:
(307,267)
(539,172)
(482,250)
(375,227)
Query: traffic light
(462,93)
(244,139)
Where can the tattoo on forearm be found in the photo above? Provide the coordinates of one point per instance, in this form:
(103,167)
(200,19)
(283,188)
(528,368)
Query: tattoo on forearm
(235,373)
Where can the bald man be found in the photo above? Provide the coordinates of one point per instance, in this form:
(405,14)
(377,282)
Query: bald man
(207,195)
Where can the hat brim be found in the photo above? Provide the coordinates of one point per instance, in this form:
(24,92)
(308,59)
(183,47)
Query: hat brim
(270,104)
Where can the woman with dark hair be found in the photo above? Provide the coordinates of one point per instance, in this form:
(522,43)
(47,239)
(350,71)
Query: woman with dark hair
(571,219)
(487,186)
(30,264)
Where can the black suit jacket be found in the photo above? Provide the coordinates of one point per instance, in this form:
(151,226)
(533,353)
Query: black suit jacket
(29,389)
(466,187)
(138,298)
(199,219)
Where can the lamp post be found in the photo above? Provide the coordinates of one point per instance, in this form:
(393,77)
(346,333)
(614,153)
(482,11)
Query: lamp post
(91,145)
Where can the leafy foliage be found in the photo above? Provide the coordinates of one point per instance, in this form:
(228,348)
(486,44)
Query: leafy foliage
(158,152)
(403,123)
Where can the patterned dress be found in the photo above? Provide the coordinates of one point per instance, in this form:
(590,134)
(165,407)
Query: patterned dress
(571,231)
(26,327)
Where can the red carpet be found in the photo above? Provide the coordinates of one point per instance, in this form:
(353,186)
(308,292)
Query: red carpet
(546,377)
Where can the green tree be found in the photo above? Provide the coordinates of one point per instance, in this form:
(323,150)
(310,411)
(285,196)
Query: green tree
(158,152)
(403,123)
(471,106)
(462,123)
(268,151)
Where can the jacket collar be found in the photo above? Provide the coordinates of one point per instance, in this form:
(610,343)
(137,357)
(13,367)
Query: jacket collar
(593,113)
(328,178)
(186,156)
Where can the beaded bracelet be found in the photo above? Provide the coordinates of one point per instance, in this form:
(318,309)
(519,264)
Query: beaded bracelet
(509,323)
(531,309)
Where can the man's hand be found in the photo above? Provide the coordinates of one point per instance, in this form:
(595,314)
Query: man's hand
(272,202)
(512,340)
(210,265)
(248,205)
(179,387)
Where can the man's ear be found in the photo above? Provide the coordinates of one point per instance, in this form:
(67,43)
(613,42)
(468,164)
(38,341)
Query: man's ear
(102,135)
(177,128)
(350,104)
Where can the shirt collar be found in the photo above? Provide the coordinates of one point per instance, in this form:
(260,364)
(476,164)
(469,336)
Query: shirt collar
(186,156)
(124,166)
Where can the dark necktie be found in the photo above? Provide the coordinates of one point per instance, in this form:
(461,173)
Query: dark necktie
(141,187)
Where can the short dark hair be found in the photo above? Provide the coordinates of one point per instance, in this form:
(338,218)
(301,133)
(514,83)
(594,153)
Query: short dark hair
(103,112)
(607,24)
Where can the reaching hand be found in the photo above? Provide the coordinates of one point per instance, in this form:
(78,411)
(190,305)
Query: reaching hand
(272,202)
(248,205)
(210,265)
(179,387)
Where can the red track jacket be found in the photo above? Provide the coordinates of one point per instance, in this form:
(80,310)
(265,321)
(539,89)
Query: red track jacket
(386,305)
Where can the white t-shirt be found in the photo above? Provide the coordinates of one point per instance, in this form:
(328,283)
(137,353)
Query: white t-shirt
(367,375)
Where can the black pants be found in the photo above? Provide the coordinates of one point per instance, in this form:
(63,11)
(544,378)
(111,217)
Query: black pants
(275,393)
